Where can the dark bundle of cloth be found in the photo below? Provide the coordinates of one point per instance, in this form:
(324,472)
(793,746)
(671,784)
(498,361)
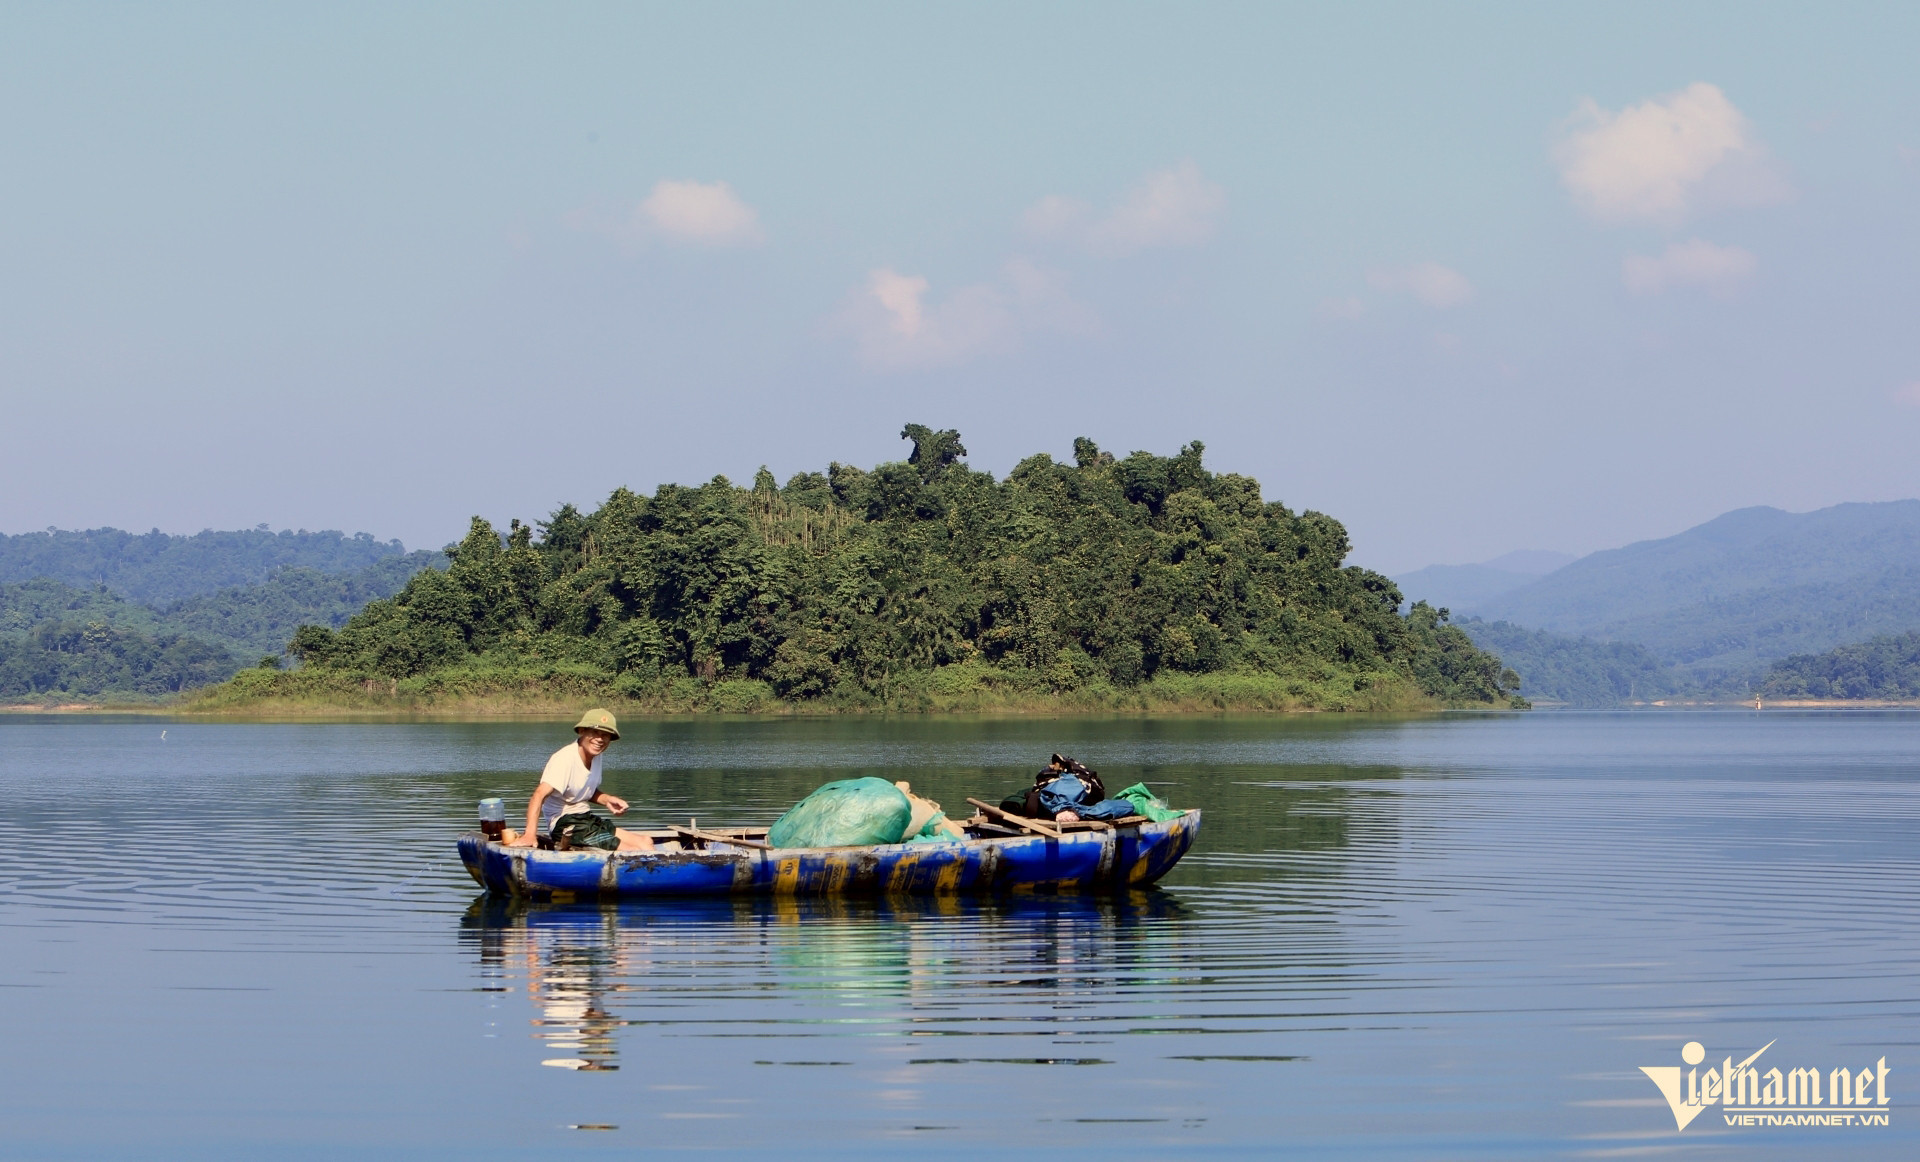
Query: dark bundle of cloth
(1066,784)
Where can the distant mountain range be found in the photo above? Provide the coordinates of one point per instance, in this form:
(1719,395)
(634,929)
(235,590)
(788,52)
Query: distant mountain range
(1464,587)
(158,568)
(1716,604)
(104,612)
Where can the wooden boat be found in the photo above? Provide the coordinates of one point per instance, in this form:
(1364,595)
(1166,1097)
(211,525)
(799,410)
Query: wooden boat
(1010,855)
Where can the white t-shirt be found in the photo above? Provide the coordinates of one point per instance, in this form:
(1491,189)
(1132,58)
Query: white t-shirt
(574,784)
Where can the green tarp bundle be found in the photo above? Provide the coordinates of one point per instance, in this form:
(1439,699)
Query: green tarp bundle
(1146,803)
(845,813)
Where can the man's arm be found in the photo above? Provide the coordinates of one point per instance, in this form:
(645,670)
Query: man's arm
(531,835)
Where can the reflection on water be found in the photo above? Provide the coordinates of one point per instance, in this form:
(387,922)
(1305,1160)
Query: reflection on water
(1443,937)
(589,970)
(568,962)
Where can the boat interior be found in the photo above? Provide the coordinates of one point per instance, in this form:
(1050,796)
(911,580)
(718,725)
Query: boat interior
(987,822)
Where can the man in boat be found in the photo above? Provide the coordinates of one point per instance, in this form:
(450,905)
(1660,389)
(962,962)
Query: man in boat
(560,814)
(1066,791)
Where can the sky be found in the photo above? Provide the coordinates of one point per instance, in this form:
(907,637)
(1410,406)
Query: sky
(1471,278)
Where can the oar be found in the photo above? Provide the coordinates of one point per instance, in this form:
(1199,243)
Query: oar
(1017,820)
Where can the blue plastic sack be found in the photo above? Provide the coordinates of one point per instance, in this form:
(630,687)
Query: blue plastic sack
(1067,793)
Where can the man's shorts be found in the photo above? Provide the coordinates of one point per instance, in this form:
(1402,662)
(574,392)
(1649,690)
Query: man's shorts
(584,829)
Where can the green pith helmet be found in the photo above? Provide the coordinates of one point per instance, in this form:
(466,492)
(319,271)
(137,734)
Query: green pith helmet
(598,720)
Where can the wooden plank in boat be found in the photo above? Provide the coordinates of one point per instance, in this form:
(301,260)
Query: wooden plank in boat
(1020,821)
(712,837)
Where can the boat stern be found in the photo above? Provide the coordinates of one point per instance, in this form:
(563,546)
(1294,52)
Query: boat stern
(1151,852)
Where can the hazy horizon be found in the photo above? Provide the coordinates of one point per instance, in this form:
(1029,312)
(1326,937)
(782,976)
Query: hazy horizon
(1472,281)
(1526,561)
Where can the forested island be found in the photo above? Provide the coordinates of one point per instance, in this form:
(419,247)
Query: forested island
(1128,583)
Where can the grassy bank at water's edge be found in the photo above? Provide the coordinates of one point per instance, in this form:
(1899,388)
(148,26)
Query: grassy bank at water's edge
(966,688)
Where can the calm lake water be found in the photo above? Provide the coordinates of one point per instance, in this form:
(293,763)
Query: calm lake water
(1444,937)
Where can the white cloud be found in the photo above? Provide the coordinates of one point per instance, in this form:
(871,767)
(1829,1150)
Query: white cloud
(1663,158)
(1431,283)
(1170,207)
(896,328)
(899,296)
(1690,263)
(709,213)
(1055,215)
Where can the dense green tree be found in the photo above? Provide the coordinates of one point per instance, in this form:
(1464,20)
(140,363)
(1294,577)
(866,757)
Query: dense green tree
(29,604)
(256,618)
(88,659)
(1885,667)
(839,585)
(1579,671)
(933,452)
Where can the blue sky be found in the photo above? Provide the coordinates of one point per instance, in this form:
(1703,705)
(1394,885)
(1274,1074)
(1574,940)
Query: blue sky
(1471,279)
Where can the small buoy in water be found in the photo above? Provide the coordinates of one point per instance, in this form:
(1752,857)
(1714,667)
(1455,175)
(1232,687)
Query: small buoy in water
(163,736)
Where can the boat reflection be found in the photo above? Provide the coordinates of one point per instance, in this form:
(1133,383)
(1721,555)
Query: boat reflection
(569,964)
(591,971)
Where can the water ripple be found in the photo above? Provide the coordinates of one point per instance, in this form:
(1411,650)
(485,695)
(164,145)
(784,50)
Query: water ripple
(1443,938)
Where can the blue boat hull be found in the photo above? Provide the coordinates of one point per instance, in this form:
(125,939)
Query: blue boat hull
(1133,856)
